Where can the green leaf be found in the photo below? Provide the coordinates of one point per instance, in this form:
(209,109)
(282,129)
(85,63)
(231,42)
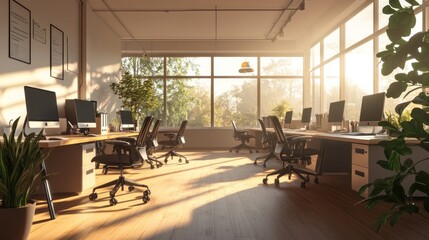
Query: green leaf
(388,10)
(420,115)
(399,109)
(395,4)
(421,99)
(396,89)
(413,2)
(384,164)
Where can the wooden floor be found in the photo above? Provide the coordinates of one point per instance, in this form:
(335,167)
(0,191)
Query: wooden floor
(219,195)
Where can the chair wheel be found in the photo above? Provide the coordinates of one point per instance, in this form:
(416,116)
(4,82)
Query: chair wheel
(308,178)
(303,185)
(316,180)
(147,192)
(265,181)
(236,151)
(131,188)
(230,150)
(152,166)
(93,196)
(165,161)
(254,163)
(265,165)
(186,161)
(276,182)
(113,201)
(180,160)
(145,198)
(105,170)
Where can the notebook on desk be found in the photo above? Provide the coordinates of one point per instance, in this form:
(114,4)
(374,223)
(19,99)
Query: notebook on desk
(357,133)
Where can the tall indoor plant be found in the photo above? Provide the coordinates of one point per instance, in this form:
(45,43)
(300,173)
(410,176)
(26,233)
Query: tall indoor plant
(398,53)
(20,160)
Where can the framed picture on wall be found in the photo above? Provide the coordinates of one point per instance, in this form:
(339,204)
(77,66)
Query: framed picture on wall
(57,53)
(19,32)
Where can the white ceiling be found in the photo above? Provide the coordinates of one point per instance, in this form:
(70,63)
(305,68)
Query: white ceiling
(159,25)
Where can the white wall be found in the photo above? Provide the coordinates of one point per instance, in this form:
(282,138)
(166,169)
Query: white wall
(102,59)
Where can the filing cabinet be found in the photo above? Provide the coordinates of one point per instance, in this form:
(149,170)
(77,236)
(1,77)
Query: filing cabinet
(70,169)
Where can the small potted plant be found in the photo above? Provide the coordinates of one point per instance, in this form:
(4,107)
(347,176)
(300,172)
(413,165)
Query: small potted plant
(20,159)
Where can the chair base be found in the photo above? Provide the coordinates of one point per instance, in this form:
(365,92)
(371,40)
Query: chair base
(171,154)
(245,146)
(289,170)
(152,160)
(267,157)
(121,182)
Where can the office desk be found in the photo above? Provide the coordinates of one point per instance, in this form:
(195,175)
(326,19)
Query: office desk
(68,167)
(355,155)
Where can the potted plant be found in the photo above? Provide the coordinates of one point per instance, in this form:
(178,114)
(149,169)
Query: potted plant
(414,51)
(20,160)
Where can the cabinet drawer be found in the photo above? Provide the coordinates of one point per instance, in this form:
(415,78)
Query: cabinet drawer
(359,178)
(360,155)
(88,152)
(88,176)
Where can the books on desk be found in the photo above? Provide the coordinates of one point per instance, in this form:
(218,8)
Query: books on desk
(357,133)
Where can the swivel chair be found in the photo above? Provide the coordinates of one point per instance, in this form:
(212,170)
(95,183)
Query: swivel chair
(152,144)
(243,136)
(292,152)
(268,142)
(136,142)
(125,155)
(175,140)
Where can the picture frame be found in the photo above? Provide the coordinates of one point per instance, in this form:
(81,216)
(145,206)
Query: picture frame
(19,32)
(56,52)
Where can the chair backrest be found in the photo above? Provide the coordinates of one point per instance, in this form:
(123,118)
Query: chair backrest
(141,138)
(265,135)
(180,138)
(234,126)
(152,141)
(278,129)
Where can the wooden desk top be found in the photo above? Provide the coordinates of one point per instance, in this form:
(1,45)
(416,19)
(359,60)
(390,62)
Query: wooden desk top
(79,139)
(368,140)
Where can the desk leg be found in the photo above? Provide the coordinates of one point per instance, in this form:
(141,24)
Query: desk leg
(47,191)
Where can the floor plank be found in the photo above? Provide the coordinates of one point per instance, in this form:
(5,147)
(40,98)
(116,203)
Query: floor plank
(219,195)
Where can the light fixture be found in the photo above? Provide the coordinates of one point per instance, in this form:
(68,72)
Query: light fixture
(245,68)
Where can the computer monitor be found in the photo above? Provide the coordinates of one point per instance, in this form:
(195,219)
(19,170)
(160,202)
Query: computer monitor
(42,110)
(336,112)
(81,113)
(306,115)
(288,117)
(127,121)
(372,109)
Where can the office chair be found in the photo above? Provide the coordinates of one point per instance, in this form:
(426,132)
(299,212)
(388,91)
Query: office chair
(152,144)
(269,141)
(175,140)
(293,152)
(125,154)
(243,136)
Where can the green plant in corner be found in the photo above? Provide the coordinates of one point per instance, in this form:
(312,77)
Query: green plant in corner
(135,94)
(20,161)
(415,52)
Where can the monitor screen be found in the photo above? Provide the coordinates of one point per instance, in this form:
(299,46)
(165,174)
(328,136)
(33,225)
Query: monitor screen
(126,119)
(336,112)
(372,109)
(42,110)
(288,117)
(81,113)
(306,115)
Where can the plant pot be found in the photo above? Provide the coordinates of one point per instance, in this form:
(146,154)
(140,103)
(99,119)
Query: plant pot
(17,221)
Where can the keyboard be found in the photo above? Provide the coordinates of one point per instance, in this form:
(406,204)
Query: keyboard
(56,138)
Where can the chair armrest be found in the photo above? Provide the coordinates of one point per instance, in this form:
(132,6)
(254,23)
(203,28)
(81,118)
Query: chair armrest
(301,139)
(170,134)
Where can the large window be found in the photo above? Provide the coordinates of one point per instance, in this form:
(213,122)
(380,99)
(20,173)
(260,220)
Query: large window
(359,26)
(331,44)
(359,78)
(331,83)
(186,89)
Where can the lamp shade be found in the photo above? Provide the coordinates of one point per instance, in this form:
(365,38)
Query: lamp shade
(245,68)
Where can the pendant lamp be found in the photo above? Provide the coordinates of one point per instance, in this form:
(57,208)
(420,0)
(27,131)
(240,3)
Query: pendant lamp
(245,68)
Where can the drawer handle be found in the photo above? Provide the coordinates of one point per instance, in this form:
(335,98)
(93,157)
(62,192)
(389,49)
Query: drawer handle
(359,173)
(360,151)
(89,171)
(89,150)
